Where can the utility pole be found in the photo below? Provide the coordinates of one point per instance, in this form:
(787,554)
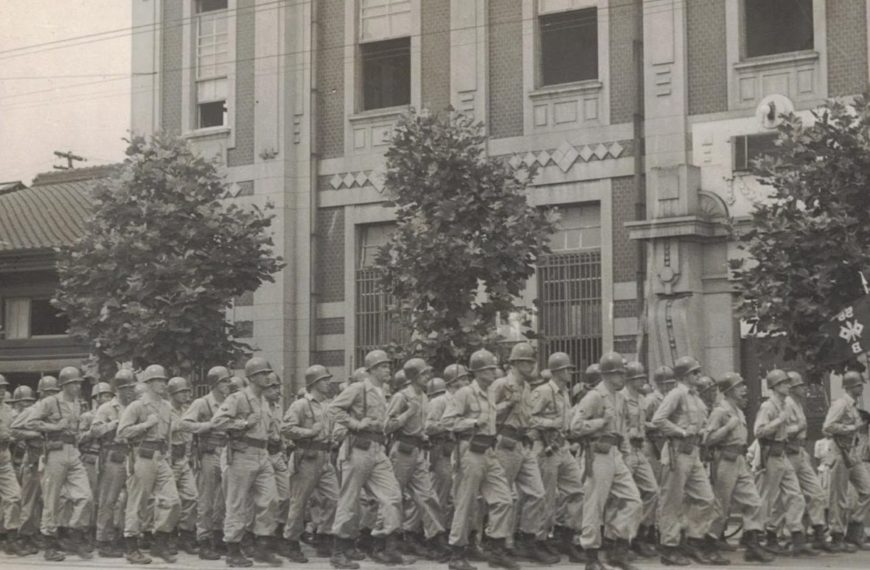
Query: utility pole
(70,157)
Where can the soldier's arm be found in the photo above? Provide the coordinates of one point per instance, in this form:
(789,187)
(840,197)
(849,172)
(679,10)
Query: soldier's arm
(585,421)
(434,414)
(36,419)
(765,422)
(226,416)
(662,418)
(194,416)
(129,426)
(86,431)
(538,402)
(397,413)
(454,416)
(796,420)
(342,404)
(834,424)
(102,425)
(291,426)
(717,428)
(504,403)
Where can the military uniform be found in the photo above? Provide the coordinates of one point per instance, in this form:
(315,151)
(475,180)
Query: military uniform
(655,441)
(111,495)
(32,448)
(279,463)
(10,490)
(441,454)
(185,481)
(89,446)
(636,458)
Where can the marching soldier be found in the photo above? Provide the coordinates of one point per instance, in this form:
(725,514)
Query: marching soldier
(511,396)
(89,446)
(182,443)
(601,419)
(636,459)
(777,480)
(681,418)
(245,416)
(113,466)
(471,416)
(664,381)
(362,410)
(146,425)
(733,482)
(10,490)
(406,415)
(209,445)
(560,472)
(307,425)
(64,476)
(842,424)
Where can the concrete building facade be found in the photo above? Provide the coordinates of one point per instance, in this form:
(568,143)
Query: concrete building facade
(640,114)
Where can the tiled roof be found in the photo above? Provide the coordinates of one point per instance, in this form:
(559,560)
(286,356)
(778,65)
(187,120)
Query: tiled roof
(50,213)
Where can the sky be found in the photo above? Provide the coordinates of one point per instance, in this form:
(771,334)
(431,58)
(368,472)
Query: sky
(62,93)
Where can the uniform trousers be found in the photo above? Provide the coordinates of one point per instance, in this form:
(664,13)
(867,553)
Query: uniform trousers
(64,479)
(413,475)
(111,496)
(778,481)
(250,486)
(312,473)
(440,465)
(611,500)
(211,502)
(734,484)
(815,498)
(185,484)
(10,494)
(282,483)
(645,479)
(563,482)
(151,492)
(368,469)
(858,475)
(687,500)
(480,474)
(521,468)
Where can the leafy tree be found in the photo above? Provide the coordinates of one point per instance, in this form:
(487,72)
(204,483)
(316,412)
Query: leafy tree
(811,238)
(466,239)
(160,261)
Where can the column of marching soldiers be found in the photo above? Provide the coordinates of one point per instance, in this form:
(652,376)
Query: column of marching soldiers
(476,464)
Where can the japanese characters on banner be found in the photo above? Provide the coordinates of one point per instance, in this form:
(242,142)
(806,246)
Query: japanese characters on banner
(847,331)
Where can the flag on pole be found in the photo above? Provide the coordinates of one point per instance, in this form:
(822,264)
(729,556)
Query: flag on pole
(846,332)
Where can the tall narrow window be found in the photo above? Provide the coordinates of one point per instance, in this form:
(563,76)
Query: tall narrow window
(385,53)
(569,46)
(778,26)
(212,47)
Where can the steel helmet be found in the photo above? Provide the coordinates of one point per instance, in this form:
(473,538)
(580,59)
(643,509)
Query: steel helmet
(124,378)
(436,386)
(375,358)
(3,381)
(68,375)
(455,372)
(400,380)
(153,372)
(257,365)
(730,381)
(300,393)
(705,384)
(217,374)
(274,380)
(635,371)
(522,351)
(579,388)
(414,368)
(795,379)
(178,384)
(559,361)
(611,363)
(47,385)
(663,374)
(776,377)
(851,379)
(592,376)
(101,388)
(237,383)
(685,365)
(482,360)
(316,373)
(23,394)
(545,376)
(358,375)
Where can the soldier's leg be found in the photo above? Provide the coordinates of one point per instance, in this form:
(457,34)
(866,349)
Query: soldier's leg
(769,487)
(570,491)
(302,484)
(496,492)
(265,498)
(355,469)
(187,495)
(595,494)
(672,501)
(790,491)
(140,486)
(239,479)
(53,479)
(383,485)
(725,477)
(423,492)
(442,479)
(745,494)
(208,482)
(838,495)
(859,477)
(471,469)
(327,489)
(622,519)
(645,480)
(531,488)
(811,487)
(167,505)
(698,491)
(77,491)
(31,494)
(549,467)
(111,484)
(282,486)
(10,495)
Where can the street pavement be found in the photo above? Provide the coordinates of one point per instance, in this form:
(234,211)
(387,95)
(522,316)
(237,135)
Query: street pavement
(857,561)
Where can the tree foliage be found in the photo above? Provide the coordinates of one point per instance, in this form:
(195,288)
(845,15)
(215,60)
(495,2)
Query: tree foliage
(160,261)
(811,238)
(466,239)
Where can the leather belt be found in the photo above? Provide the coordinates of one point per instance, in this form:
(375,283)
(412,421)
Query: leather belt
(254,442)
(440,439)
(636,442)
(488,439)
(512,432)
(313,445)
(156,445)
(414,440)
(738,449)
(371,436)
(611,438)
(62,437)
(115,447)
(274,447)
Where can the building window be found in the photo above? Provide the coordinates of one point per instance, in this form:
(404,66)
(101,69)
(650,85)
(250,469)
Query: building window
(748,148)
(569,288)
(212,48)
(778,26)
(375,326)
(26,318)
(382,19)
(569,46)
(386,73)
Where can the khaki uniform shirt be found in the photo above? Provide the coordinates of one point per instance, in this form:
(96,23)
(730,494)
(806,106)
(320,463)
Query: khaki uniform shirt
(471,409)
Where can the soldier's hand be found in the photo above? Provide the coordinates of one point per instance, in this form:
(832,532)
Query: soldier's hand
(252,420)
(733,422)
(365,423)
(151,420)
(316,427)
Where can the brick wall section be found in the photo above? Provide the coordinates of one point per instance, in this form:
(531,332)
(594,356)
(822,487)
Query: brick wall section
(170,95)
(243,153)
(624,250)
(707,66)
(333,325)
(623,309)
(329,357)
(330,79)
(623,79)
(436,54)
(329,275)
(847,47)
(505,68)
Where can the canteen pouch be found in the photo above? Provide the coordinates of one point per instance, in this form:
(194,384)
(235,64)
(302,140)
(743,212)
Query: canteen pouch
(116,456)
(507,443)
(310,454)
(601,446)
(685,447)
(53,445)
(477,446)
(178,453)
(405,448)
(146,453)
(361,443)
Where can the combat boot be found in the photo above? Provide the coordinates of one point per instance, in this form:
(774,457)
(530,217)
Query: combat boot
(339,558)
(235,558)
(618,555)
(133,554)
(458,560)
(799,545)
(820,542)
(263,551)
(498,555)
(642,548)
(29,543)
(535,551)
(218,542)
(771,544)
(438,548)
(146,540)
(855,536)
(106,549)
(206,550)
(323,546)
(473,551)
(247,544)
(161,547)
(187,542)
(839,544)
(411,545)
(722,544)
(79,544)
(293,552)
(671,556)
(592,561)
(564,543)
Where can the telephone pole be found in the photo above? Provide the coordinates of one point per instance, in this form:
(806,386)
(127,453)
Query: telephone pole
(70,158)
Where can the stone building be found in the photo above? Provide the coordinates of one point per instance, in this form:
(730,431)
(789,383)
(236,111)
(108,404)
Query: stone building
(642,115)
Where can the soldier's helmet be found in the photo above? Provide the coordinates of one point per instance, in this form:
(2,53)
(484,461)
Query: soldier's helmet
(522,351)
(358,375)
(23,394)
(178,384)
(729,382)
(611,363)
(795,379)
(663,374)
(559,361)
(217,374)
(3,381)
(685,365)
(436,386)
(400,380)
(124,378)
(592,376)
(237,383)
(776,377)
(851,379)
(69,375)
(375,358)
(316,373)
(482,360)
(635,371)
(257,365)
(101,388)
(47,385)
(154,372)
(414,368)
(455,372)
